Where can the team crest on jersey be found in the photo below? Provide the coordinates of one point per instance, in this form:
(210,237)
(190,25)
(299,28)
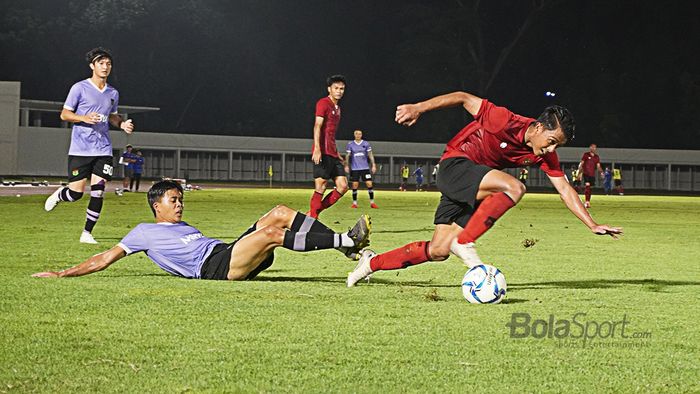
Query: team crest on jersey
(75,172)
(527,161)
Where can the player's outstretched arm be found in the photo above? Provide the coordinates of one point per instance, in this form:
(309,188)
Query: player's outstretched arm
(408,114)
(573,202)
(95,263)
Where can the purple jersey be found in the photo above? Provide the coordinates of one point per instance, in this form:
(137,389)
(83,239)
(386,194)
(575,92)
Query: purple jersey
(84,97)
(177,248)
(358,155)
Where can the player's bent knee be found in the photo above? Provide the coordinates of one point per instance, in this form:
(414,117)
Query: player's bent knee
(281,210)
(516,190)
(274,233)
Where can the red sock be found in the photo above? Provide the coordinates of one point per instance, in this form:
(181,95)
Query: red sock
(330,199)
(486,214)
(588,192)
(405,256)
(315,204)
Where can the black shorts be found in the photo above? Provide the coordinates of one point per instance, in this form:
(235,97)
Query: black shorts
(589,179)
(329,168)
(217,265)
(458,181)
(81,167)
(360,176)
(128,171)
(618,182)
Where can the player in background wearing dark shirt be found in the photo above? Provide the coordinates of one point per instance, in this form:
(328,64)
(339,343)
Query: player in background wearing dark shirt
(474,192)
(590,162)
(327,161)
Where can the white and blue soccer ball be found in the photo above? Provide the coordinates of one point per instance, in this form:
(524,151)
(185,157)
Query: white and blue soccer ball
(484,284)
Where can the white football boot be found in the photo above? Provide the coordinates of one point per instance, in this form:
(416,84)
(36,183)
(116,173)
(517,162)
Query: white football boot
(53,200)
(466,252)
(363,269)
(86,238)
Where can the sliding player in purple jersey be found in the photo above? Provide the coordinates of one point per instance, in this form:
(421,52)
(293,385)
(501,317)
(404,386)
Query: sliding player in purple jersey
(182,250)
(359,162)
(90,106)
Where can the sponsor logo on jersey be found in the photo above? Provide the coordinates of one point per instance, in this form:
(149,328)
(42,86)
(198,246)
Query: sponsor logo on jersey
(191,237)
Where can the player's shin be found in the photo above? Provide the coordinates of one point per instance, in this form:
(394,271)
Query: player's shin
(304,242)
(94,206)
(315,205)
(330,199)
(304,224)
(410,254)
(488,211)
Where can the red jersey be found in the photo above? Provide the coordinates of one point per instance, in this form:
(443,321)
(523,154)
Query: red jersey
(590,162)
(496,138)
(330,113)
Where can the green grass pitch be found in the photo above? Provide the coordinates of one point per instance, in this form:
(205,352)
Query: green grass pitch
(297,328)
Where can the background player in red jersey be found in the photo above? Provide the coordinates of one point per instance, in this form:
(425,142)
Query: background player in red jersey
(590,162)
(327,161)
(474,193)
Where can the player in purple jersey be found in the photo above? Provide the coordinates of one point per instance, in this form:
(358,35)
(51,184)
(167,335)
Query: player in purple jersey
(90,105)
(359,162)
(182,250)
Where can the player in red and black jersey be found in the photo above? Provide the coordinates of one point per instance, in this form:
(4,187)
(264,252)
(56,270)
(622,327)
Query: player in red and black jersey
(327,162)
(474,192)
(590,162)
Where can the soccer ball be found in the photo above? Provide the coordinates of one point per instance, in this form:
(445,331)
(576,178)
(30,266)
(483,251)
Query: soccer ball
(484,284)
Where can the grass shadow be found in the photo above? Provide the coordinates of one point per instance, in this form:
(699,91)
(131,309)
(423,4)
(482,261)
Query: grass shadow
(318,279)
(514,300)
(417,230)
(653,285)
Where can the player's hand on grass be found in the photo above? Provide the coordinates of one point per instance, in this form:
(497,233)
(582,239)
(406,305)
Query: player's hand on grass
(316,156)
(604,229)
(92,118)
(127,126)
(46,275)
(407,114)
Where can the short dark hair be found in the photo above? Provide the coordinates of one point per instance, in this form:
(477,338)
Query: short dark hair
(554,116)
(96,54)
(158,190)
(335,78)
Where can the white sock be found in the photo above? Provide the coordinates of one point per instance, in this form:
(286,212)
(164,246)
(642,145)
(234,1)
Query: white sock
(346,241)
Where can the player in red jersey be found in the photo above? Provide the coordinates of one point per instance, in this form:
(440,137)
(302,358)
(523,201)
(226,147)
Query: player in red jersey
(327,161)
(474,192)
(590,162)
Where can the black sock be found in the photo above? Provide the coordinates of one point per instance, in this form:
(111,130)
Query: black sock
(94,206)
(371,193)
(354,194)
(304,242)
(69,195)
(307,224)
